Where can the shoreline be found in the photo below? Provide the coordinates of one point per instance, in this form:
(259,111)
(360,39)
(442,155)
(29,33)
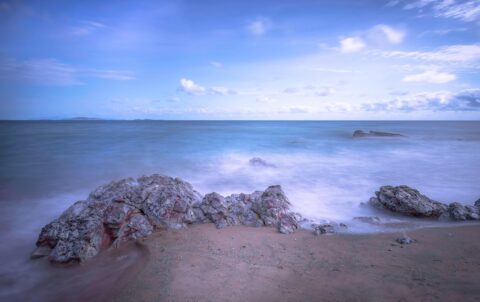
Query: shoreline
(257,264)
(241,263)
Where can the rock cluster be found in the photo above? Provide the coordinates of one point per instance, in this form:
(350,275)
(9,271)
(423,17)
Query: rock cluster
(133,208)
(361,133)
(408,201)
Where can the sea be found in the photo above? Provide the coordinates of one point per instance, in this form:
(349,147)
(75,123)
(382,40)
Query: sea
(328,175)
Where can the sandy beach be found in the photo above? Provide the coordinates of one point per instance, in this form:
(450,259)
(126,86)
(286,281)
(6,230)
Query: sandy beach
(257,264)
(202,263)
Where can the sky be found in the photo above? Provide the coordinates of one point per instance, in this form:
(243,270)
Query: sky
(253,60)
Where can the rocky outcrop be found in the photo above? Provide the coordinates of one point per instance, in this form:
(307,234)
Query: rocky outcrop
(361,133)
(407,201)
(270,207)
(131,209)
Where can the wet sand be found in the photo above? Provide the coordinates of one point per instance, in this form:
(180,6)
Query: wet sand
(257,264)
(241,263)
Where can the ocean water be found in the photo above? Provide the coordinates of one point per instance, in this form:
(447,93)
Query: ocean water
(327,174)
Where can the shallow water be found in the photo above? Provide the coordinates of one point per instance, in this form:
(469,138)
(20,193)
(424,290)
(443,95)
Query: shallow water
(47,165)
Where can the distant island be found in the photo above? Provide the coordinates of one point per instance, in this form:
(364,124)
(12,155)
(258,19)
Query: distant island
(82,118)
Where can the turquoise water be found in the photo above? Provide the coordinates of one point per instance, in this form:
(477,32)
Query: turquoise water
(47,165)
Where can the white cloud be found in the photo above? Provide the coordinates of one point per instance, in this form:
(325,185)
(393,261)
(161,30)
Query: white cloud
(191,88)
(327,91)
(220,90)
(390,34)
(86,27)
(466,100)
(431,76)
(351,45)
(310,90)
(54,72)
(333,70)
(216,64)
(467,11)
(259,26)
(452,53)
(112,75)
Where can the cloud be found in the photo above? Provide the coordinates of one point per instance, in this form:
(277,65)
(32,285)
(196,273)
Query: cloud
(86,27)
(216,64)
(466,100)
(378,35)
(452,53)
(466,11)
(191,88)
(259,26)
(54,72)
(220,90)
(351,45)
(390,34)
(333,70)
(430,76)
(112,75)
(442,32)
(327,91)
(310,90)
(39,72)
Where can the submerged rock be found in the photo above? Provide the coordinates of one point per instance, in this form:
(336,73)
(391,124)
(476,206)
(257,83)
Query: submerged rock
(131,209)
(361,133)
(407,201)
(259,162)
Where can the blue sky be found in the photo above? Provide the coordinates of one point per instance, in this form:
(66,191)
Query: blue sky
(358,59)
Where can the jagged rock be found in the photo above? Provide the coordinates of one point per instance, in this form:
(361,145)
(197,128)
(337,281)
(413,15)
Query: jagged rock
(477,203)
(327,228)
(131,209)
(119,211)
(457,211)
(407,201)
(405,240)
(272,205)
(361,133)
(259,162)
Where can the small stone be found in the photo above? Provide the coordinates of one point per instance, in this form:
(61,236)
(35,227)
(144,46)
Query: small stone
(405,240)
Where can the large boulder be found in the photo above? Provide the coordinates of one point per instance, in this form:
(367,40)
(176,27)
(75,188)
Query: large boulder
(119,211)
(407,201)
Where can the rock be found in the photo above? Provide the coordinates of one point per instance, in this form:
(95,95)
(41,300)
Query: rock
(215,208)
(119,211)
(131,209)
(457,211)
(477,203)
(259,162)
(371,220)
(327,228)
(407,201)
(361,133)
(405,240)
(270,207)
